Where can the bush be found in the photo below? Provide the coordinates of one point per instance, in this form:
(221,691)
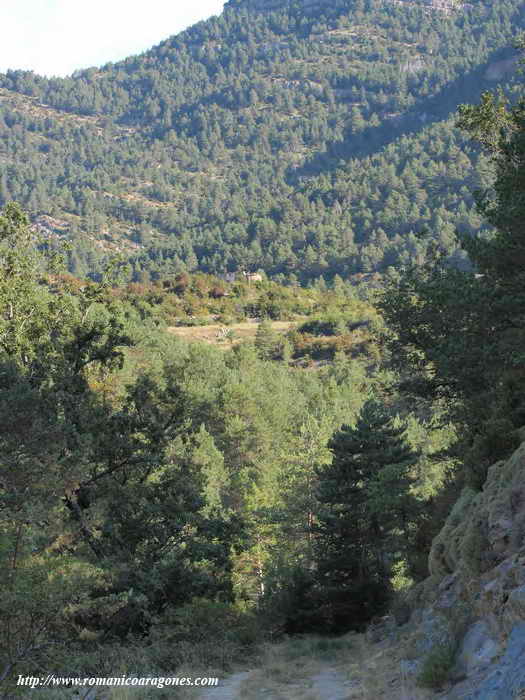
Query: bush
(291,603)
(327,648)
(352,606)
(212,633)
(218,291)
(192,322)
(496,440)
(225,320)
(324,326)
(296,603)
(437,666)
(332,325)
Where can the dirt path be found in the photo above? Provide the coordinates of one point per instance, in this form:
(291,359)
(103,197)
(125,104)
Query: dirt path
(229,689)
(327,684)
(330,685)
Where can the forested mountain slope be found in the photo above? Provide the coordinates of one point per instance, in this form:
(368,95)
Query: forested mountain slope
(304,138)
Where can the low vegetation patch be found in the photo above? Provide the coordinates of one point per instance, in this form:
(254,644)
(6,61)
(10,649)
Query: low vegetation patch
(437,666)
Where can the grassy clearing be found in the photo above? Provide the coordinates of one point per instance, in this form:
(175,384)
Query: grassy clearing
(225,336)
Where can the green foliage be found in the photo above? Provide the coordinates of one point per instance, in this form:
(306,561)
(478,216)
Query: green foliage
(331,325)
(266,341)
(497,440)
(147,484)
(474,546)
(437,666)
(363,516)
(53,344)
(215,634)
(293,604)
(240,144)
(102,523)
(461,333)
(328,648)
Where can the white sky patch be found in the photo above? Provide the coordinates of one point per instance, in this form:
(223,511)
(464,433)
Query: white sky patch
(57,37)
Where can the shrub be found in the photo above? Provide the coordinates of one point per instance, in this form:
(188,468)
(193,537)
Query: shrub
(218,291)
(181,283)
(327,648)
(437,666)
(324,326)
(496,440)
(225,319)
(296,603)
(474,546)
(212,632)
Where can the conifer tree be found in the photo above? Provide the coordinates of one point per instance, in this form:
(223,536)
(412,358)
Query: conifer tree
(265,340)
(364,506)
(460,333)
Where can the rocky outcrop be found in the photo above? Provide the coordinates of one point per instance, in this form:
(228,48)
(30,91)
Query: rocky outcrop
(475,597)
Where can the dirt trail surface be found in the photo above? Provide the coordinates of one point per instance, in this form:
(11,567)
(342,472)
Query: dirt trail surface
(328,684)
(351,667)
(229,688)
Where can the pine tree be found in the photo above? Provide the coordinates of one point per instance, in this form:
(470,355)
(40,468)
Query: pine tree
(364,507)
(461,332)
(266,340)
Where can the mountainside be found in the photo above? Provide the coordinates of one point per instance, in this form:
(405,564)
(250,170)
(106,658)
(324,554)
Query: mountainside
(306,138)
(203,474)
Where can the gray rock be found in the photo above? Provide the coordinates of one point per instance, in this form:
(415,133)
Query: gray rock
(434,630)
(516,603)
(410,667)
(508,676)
(478,649)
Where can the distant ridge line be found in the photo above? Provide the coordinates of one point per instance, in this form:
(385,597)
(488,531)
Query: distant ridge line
(445,6)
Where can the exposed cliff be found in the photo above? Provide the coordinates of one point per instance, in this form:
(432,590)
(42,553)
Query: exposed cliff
(474,599)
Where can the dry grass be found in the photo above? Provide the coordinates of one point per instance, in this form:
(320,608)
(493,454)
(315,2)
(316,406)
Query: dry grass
(180,693)
(287,670)
(280,676)
(367,671)
(378,667)
(216,334)
(291,670)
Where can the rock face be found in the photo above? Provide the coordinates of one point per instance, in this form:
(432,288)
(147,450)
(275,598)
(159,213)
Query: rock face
(478,649)
(475,596)
(507,680)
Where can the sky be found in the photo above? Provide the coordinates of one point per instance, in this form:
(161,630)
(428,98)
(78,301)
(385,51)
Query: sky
(57,37)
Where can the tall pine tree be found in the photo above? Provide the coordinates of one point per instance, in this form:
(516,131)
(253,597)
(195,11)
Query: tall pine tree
(365,508)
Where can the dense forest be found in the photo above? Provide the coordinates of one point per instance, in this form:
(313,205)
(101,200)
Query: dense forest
(242,143)
(149,481)
(170,504)
(195,466)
